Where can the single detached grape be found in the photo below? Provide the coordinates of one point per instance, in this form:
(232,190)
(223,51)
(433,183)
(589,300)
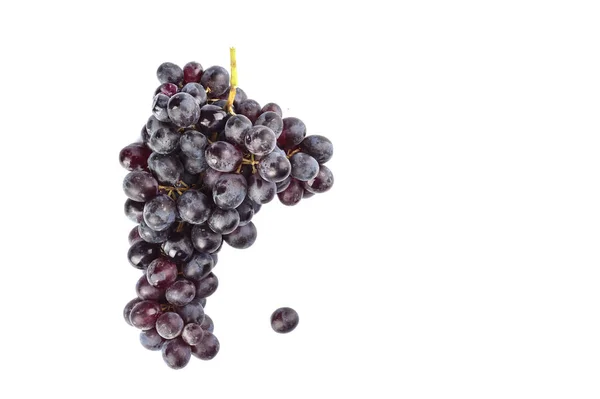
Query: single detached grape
(164,140)
(198,267)
(144,314)
(145,291)
(223,221)
(192,72)
(140,186)
(197,91)
(242,237)
(207,286)
(192,333)
(229,191)
(181,292)
(127,309)
(321,183)
(236,128)
(161,273)
(183,110)
(207,348)
(294,131)
(169,73)
(318,147)
(304,167)
(223,156)
(216,80)
(274,167)
(176,353)
(169,325)
(260,140)
(271,120)
(284,320)
(204,239)
(142,253)
(151,340)
(135,156)
(261,191)
(160,212)
(194,207)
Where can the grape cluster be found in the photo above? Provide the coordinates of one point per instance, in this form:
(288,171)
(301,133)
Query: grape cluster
(208,159)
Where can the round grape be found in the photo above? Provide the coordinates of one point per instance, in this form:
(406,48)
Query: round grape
(212,119)
(168,89)
(194,207)
(271,120)
(223,157)
(134,210)
(192,333)
(193,312)
(210,177)
(135,157)
(159,107)
(167,168)
(216,80)
(272,107)
(154,124)
(294,131)
(261,191)
(134,236)
(144,314)
(145,291)
(236,129)
(142,253)
(151,340)
(304,167)
(192,72)
(161,273)
(168,72)
(164,140)
(127,309)
(223,221)
(318,147)
(197,92)
(284,320)
(160,212)
(207,324)
(242,237)
(249,108)
(246,211)
(152,236)
(229,191)
(181,292)
(321,183)
(183,110)
(178,247)
(176,353)
(292,194)
(198,267)
(274,167)
(140,186)
(207,286)
(204,239)
(207,348)
(260,140)
(193,144)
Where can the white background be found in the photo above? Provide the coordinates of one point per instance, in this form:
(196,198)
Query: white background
(456,257)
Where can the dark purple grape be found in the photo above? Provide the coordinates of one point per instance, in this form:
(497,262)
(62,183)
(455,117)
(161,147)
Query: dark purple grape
(194,207)
(256,206)
(176,353)
(282,185)
(140,186)
(236,128)
(181,292)
(134,210)
(192,72)
(151,340)
(160,212)
(271,120)
(197,91)
(127,309)
(135,157)
(260,140)
(169,325)
(168,72)
(159,107)
(183,110)
(168,169)
(294,131)
(154,124)
(321,183)
(193,144)
(207,348)
(134,236)
(193,312)
(164,140)
(192,333)
(192,165)
(249,108)
(274,167)
(207,324)
(178,247)
(144,136)
(161,273)
(144,314)
(212,119)
(204,239)
(152,236)
(210,177)
(307,194)
(240,95)
(261,191)
(304,167)
(318,147)
(207,286)
(145,291)
(216,80)
(198,267)
(229,191)
(242,237)
(168,89)
(141,254)
(293,194)
(223,221)
(284,320)
(246,212)
(272,107)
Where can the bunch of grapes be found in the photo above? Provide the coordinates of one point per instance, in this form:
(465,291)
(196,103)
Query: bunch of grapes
(208,159)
